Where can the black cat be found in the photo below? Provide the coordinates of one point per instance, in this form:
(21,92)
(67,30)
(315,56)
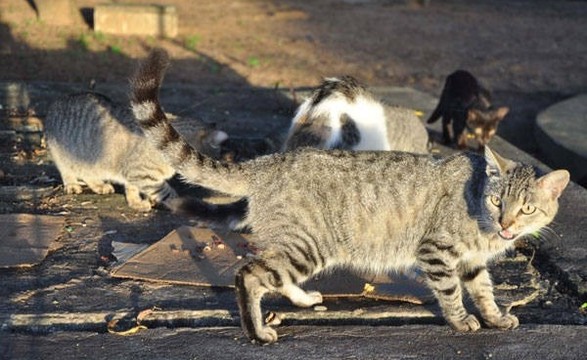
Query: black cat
(467,105)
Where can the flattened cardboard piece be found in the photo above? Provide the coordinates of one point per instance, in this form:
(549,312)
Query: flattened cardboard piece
(204,257)
(25,239)
(191,256)
(124,251)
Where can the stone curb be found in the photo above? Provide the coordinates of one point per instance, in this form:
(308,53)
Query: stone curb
(561,131)
(102,321)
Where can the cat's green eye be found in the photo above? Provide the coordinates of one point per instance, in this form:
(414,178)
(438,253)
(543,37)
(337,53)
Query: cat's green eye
(495,200)
(528,209)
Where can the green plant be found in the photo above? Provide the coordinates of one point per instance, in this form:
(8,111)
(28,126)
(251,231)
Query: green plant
(253,62)
(84,41)
(116,49)
(191,42)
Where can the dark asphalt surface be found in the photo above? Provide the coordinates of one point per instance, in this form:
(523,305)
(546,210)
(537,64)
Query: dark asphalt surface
(48,289)
(301,342)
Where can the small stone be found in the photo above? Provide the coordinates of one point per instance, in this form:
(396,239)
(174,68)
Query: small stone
(320,308)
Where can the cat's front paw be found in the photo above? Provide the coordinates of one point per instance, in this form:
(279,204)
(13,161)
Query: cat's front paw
(505,322)
(72,189)
(468,324)
(265,335)
(103,189)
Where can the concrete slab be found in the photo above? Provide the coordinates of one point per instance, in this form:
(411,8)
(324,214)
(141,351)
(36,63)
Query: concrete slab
(133,19)
(561,130)
(26,239)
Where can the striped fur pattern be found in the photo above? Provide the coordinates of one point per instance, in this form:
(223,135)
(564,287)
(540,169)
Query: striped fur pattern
(94,141)
(312,210)
(342,114)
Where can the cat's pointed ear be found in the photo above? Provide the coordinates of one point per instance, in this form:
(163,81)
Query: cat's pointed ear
(496,165)
(554,183)
(501,112)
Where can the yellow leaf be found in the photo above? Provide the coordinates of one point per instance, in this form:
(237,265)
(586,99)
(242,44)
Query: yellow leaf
(368,288)
(128,332)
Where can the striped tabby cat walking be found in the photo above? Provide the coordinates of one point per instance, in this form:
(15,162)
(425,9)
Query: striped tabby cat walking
(96,141)
(312,210)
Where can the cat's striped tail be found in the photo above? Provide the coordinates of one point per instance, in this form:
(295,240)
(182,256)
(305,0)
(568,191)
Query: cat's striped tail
(194,167)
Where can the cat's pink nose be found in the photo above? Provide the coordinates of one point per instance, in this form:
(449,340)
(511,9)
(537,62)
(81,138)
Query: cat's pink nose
(506,224)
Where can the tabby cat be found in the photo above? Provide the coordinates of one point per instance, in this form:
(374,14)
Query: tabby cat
(342,114)
(94,140)
(467,105)
(311,210)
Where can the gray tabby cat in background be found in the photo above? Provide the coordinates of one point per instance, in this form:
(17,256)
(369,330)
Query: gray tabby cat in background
(95,141)
(312,210)
(342,114)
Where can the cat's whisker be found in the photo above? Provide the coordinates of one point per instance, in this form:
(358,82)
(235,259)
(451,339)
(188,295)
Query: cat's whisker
(548,235)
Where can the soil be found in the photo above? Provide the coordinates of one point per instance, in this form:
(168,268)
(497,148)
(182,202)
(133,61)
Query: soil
(531,54)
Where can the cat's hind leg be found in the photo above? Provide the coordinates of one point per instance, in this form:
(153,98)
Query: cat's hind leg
(155,189)
(159,192)
(252,282)
(272,271)
(134,199)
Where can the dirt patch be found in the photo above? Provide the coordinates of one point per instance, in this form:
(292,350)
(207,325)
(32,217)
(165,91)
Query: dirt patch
(530,53)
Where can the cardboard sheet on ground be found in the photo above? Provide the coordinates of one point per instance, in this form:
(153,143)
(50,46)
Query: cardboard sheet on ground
(26,239)
(203,257)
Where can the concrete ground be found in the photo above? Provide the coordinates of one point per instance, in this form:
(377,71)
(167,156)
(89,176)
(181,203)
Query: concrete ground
(67,301)
(561,130)
(307,342)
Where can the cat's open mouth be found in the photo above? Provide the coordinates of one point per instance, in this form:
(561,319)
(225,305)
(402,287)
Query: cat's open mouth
(505,234)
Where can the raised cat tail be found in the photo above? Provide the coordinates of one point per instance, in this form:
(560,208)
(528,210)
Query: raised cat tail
(194,167)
